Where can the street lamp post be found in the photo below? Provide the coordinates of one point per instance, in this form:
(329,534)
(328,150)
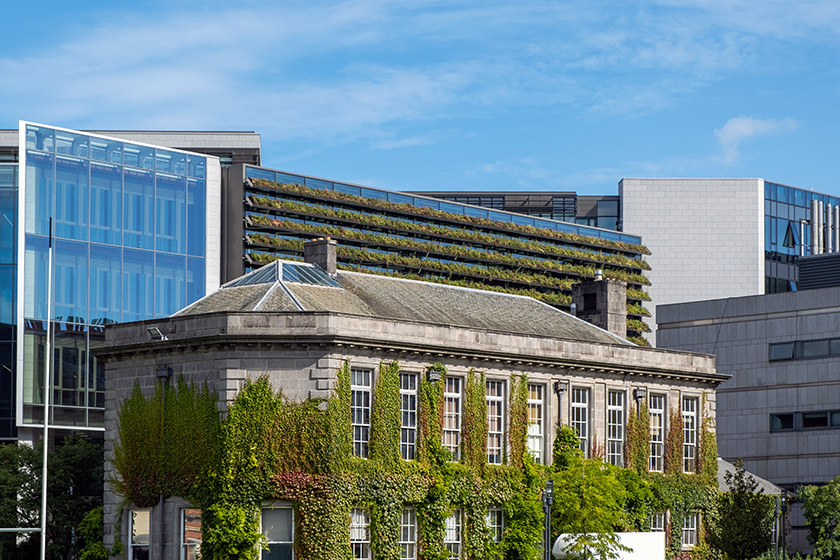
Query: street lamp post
(547,500)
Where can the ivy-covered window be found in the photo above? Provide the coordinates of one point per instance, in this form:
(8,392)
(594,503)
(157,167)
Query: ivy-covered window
(495,396)
(656,409)
(360,534)
(615,428)
(691,522)
(495,523)
(689,416)
(408,415)
(580,417)
(360,409)
(657,522)
(139,528)
(536,407)
(452,535)
(278,528)
(408,534)
(452,416)
(190,533)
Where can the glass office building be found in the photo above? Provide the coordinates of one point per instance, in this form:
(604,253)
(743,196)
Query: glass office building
(129,227)
(787,232)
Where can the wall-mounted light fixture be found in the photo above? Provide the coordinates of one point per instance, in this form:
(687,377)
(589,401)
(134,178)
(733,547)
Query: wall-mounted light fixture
(640,394)
(154,332)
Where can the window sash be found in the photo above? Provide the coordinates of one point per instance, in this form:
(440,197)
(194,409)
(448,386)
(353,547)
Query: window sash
(615,428)
(452,535)
(408,534)
(139,531)
(536,407)
(656,410)
(689,531)
(360,534)
(452,416)
(190,533)
(657,522)
(360,407)
(580,417)
(495,421)
(408,415)
(495,523)
(689,416)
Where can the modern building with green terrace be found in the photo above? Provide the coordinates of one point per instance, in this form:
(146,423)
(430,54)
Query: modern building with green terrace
(269,215)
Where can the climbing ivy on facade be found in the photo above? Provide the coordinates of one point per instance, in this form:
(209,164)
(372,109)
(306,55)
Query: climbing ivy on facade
(269,449)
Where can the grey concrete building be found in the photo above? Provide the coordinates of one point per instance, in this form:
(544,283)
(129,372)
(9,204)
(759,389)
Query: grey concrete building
(297,323)
(780,411)
(714,237)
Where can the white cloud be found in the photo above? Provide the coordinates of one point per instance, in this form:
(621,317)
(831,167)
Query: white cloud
(342,71)
(737,129)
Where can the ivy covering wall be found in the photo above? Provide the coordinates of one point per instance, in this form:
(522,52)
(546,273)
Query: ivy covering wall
(269,449)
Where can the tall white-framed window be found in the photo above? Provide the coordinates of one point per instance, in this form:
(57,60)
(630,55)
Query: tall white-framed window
(408,534)
(452,416)
(657,522)
(452,535)
(139,525)
(190,533)
(360,534)
(408,415)
(691,523)
(278,527)
(360,402)
(580,417)
(656,409)
(615,428)
(689,417)
(536,419)
(495,396)
(495,523)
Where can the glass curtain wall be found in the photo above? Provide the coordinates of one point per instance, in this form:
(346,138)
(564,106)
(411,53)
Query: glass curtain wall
(8,296)
(129,244)
(787,232)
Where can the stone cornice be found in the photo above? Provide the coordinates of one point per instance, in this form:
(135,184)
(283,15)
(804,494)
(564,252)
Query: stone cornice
(235,331)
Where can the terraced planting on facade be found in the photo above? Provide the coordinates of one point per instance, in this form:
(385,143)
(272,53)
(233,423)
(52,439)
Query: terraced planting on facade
(406,241)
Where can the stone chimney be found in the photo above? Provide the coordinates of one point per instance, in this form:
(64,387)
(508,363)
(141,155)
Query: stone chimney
(603,303)
(321,253)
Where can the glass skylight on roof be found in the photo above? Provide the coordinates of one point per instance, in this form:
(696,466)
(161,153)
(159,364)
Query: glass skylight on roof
(303,274)
(286,272)
(265,275)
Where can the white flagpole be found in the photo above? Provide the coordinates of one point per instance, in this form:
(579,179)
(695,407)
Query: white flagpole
(47,391)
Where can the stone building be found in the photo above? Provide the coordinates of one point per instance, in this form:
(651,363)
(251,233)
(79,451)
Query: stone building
(297,323)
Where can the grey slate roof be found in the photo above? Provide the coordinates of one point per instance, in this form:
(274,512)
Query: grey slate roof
(384,297)
(768,487)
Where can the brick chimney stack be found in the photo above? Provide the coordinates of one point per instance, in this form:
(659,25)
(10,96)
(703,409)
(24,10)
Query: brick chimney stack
(321,252)
(603,303)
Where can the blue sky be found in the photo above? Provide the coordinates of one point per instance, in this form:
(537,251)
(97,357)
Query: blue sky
(485,94)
